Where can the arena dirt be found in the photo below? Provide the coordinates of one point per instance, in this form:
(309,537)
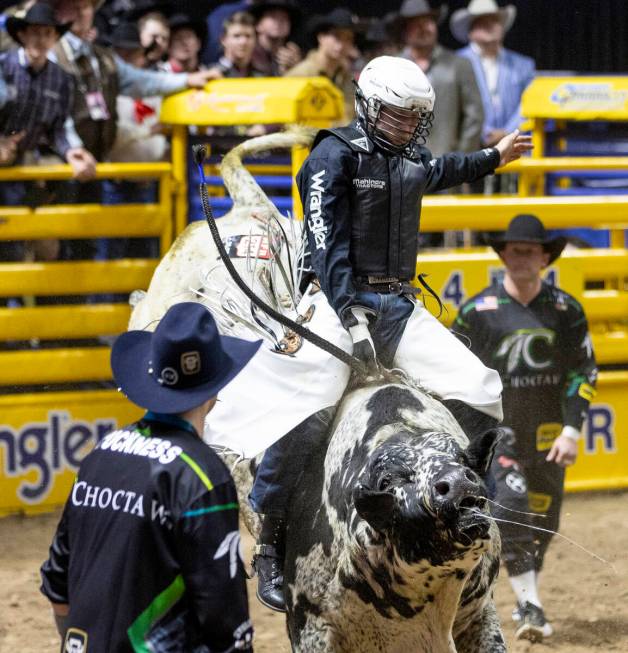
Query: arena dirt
(586,599)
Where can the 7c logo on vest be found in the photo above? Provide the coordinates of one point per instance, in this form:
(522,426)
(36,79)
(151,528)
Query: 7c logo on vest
(315,223)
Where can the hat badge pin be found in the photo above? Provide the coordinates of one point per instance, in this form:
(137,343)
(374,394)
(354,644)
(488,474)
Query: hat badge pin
(168,376)
(191,362)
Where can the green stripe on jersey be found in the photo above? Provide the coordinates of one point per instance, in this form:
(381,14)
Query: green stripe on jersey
(204,511)
(199,472)
(140,628)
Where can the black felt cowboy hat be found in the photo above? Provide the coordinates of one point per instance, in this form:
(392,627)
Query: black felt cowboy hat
(526,228)
(182,364)
(183,21)
(126,37)
(38,14)
(338,18)
(293,10)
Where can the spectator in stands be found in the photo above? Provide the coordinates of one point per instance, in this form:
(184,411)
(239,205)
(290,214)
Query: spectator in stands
(187,37)
(238,42)
(100,76)
(378,39)
(502,75)
(35,104)
(215,24)
(334,34)
(274,54)
(155,36)
(458,122)
(139,138)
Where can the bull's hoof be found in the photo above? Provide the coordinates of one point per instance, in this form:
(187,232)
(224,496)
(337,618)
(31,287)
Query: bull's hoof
(269,570)
(533,625)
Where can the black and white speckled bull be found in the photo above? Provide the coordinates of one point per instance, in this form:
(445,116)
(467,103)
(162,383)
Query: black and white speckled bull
(389,547)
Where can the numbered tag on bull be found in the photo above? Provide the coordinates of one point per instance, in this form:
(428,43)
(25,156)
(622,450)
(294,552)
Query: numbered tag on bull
(249,246)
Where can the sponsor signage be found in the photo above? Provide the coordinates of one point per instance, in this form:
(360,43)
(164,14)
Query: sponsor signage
(45,436)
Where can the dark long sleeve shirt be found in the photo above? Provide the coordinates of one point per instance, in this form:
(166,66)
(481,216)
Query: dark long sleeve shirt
(326,184)
(542,352)
(147,550)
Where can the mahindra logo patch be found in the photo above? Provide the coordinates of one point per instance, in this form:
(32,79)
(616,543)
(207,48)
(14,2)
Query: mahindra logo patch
(374,184)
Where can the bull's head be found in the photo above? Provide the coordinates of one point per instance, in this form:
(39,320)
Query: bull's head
(426,494)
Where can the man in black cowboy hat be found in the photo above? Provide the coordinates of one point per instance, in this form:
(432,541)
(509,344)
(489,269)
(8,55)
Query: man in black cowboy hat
(536,336)
(187,37)
(146,555)
(35,104)
(334,34)
(36,94)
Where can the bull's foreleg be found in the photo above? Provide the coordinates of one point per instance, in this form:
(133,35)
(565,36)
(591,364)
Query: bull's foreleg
(482,635)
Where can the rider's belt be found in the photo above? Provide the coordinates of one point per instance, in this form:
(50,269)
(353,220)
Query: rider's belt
(386,285)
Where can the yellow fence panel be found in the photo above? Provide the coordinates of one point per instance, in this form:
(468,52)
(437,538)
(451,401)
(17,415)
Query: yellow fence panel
(461,212)
(249,101)
(44,437)
(602,462)
(40,366)
(606,305)
(58,322)
(85,221)
(576,98)
(69,278)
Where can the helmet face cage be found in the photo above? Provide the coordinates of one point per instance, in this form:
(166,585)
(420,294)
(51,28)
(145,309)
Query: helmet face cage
(381,124)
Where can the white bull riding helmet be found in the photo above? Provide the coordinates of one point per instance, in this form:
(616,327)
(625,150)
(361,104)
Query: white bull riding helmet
(394,102)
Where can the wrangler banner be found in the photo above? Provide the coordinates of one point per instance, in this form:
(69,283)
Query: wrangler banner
(44,437)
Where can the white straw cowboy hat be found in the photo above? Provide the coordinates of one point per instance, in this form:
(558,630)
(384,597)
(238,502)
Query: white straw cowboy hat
(461,20)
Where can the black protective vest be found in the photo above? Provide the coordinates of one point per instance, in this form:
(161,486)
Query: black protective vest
(385,209)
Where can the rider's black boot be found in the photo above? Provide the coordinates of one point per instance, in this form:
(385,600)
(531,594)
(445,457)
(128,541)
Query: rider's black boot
(268,563)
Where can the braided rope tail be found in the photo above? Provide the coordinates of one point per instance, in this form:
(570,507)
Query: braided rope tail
(354,363)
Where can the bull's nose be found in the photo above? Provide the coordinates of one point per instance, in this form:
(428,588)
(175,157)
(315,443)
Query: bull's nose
(457,487)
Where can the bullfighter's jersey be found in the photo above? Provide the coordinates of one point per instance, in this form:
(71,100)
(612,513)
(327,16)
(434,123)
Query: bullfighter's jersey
(147,550)
(543,354)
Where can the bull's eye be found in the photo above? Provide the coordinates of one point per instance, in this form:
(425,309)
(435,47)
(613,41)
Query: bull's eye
(384,483)
(470,475)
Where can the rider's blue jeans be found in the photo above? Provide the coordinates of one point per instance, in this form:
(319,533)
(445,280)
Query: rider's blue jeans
(284,462)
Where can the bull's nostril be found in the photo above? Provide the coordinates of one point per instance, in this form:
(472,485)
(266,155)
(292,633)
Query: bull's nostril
(442,487)
(470,475)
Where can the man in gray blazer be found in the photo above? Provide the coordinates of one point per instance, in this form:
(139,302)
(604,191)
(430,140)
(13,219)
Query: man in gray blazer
(459,114)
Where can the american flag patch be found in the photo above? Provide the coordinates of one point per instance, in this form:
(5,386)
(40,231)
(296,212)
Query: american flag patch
(488,303)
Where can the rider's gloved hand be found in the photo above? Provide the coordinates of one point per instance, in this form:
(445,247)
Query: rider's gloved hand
(357,324)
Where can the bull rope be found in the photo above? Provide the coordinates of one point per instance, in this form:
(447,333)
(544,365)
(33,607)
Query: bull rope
(354,363)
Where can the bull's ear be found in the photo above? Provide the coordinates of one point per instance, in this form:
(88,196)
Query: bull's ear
(481,449)
(374,506)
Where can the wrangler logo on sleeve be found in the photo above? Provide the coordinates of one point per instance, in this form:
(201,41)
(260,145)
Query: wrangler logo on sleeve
(315,222)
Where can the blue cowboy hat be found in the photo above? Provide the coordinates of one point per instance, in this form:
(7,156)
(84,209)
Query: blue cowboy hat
(182,364)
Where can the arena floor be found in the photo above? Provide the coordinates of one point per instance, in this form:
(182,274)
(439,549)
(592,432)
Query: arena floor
(586,599)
